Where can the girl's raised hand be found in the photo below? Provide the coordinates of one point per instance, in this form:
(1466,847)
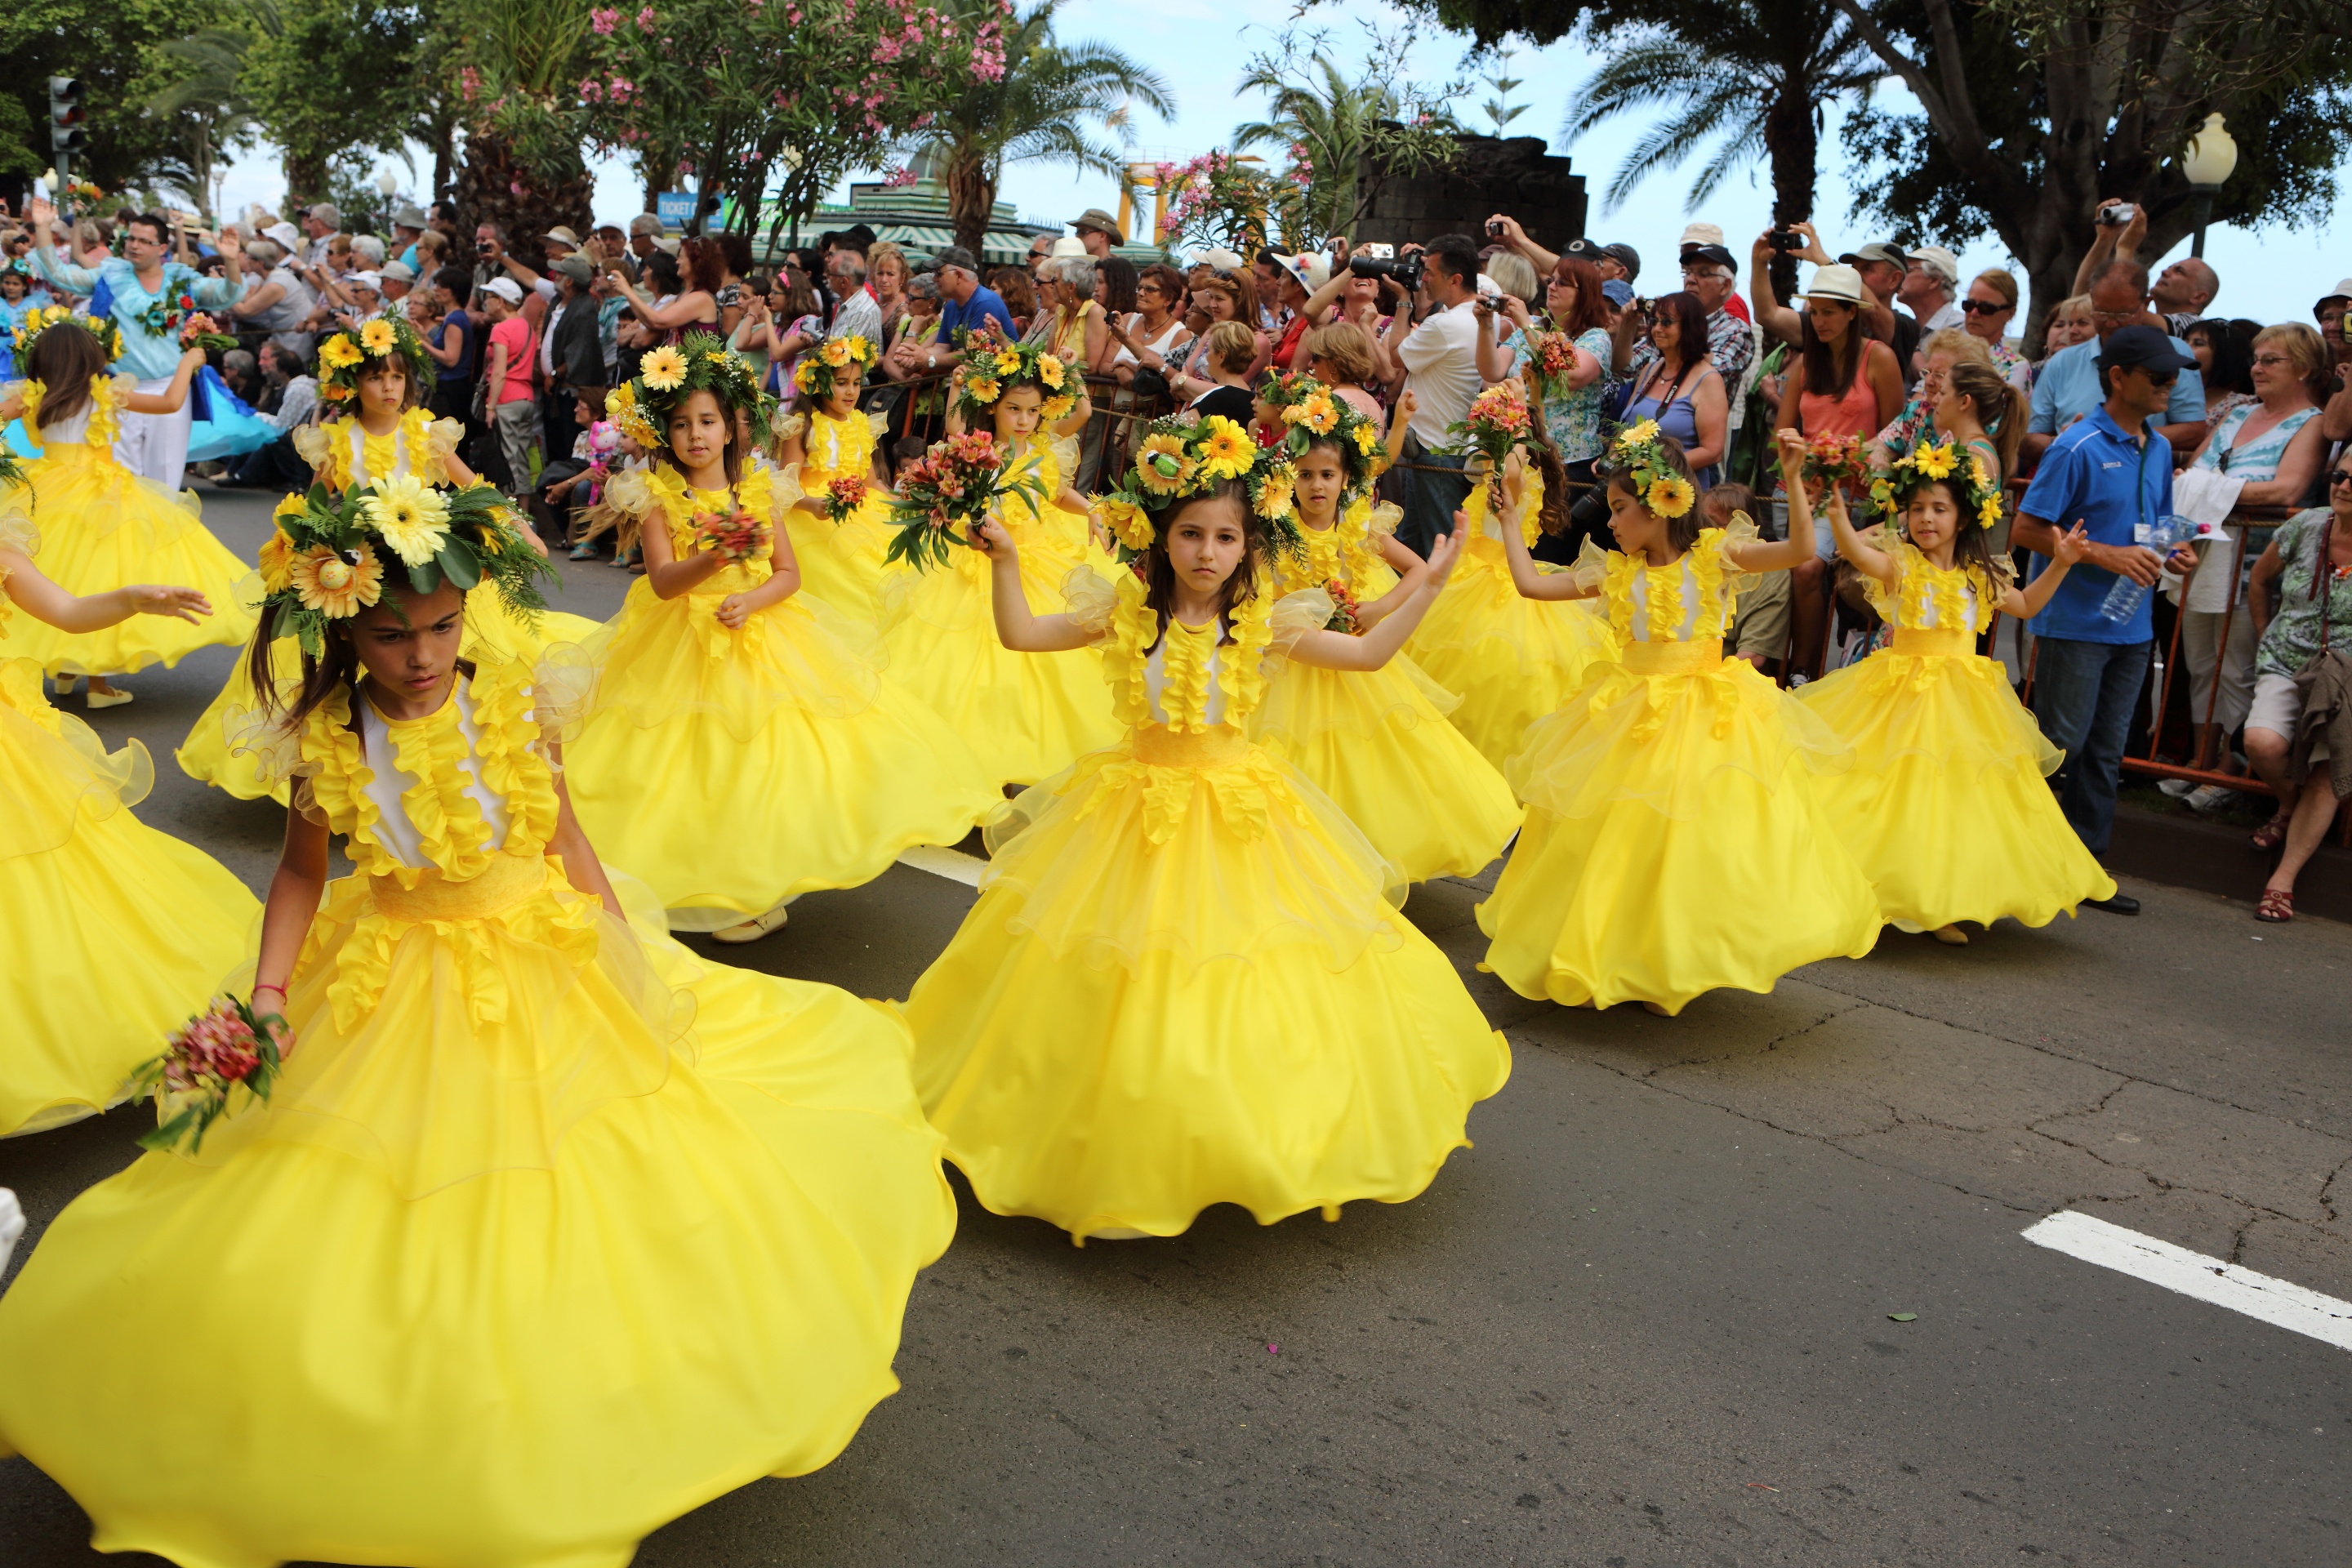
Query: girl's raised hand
(159,599)
(2071,546)
(1793,450)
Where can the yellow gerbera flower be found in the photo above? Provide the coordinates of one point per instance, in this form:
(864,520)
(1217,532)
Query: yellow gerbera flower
(1936,462)
(1639,433)
(1049,371)
(834,353)
(1128,522)
(1228,451)
(339,352)
(1989,514)
(1008,363)
(1669,496)
(413,517)
(1318,415)
(378,337)
(664,369)
(984,390)
(276,563)
(340,588)
(1366,441)
(1275,495)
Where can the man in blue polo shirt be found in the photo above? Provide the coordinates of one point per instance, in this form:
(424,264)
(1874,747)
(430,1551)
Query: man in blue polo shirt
(2113,474)
(966,305)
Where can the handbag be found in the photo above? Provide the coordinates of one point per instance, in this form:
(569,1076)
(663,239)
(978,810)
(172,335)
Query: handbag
(2326,675)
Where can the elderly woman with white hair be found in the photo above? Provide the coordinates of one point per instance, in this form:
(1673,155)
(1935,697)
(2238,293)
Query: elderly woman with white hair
(279,302)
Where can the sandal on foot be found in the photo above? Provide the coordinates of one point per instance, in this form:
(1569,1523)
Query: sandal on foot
(2277,906)
(1951,936)
(751,930)
(2270,835)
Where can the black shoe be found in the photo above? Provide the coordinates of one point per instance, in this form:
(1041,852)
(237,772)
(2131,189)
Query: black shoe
(2121,904)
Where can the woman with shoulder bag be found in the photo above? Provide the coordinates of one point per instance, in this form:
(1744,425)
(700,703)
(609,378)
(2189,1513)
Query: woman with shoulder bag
(2302,712)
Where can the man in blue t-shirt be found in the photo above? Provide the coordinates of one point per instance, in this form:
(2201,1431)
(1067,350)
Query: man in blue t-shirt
(2113,474)
(2067,387)
(965,304)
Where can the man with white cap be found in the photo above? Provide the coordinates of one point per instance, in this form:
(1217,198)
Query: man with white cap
(394,283)
(1931,280)
(408,221)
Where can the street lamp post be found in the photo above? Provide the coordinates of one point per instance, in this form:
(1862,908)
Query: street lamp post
(384,185)
(2211,156)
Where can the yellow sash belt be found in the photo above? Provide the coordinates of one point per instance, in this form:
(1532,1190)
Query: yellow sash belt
(507,880)
(1697,657)
(1945,642)
(1161,747)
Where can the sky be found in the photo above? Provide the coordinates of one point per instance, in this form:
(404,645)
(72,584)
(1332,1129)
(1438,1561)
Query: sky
(2270,275)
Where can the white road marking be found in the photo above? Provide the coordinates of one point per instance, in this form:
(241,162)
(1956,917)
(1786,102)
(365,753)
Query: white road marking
(953,863)
(2274,1301)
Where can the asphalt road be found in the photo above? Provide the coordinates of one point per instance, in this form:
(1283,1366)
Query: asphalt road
(1646,1320)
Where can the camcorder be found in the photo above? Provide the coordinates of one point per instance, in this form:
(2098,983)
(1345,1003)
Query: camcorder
(1405,269)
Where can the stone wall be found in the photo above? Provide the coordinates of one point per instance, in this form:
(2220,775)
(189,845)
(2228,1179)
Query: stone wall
(1512,175)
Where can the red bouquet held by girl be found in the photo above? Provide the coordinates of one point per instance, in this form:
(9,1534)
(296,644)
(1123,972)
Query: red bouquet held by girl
(955,483)
(1347,614)
(199,331)
(733,535)
(842,496)
(1833,460)
(222,1049)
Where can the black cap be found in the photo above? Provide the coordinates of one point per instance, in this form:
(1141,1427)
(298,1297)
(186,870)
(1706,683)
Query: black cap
(1628,257)
(1582,249)
(1716,255)
(2142,348)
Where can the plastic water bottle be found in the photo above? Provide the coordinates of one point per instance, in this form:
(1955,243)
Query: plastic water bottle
(2124,600)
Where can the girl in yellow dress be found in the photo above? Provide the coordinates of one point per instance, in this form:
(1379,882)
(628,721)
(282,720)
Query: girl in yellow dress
(841,562)
(1376,741)
(1945,808)
(377,369)
(1513,659)
(1185,982)
(742,745)
(1676,843)
(104,526)
(1026,718)
(115,932)
(548,1232)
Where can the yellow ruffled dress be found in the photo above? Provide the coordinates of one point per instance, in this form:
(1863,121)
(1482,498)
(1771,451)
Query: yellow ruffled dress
(1944,807)
(1026,716)
(735,770)
(344,454)
(1186,980)
(1377,741)
(1513,660)
(840,562)
(1676,841)
(106,528)
(550,1233)
(115,932)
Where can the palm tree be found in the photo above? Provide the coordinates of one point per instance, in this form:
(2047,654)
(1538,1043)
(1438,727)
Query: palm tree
(1752,74)
(1039,111)
(218,114)
(1334,121)
(534,48)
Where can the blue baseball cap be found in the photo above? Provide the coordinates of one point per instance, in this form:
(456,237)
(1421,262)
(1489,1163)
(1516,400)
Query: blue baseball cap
(1618,292)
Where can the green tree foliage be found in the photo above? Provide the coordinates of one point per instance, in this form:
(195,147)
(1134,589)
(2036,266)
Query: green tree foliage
(2035,110)
(329,79)
(1052,103)
(208,104)
(1344,136)
(116,47)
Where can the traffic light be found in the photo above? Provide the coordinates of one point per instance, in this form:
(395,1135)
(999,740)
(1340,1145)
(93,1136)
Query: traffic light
(65,113)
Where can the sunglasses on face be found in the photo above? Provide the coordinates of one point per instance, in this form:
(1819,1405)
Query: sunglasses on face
(2162,378)
(1984,307)
(2340,476)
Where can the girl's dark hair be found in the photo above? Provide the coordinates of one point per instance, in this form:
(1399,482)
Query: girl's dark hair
(1830,372)
(1682,531)
(1159,573)
(1121,275)
(458,280)
(1553,515)
(63,359)
(1591,305)
(1683,310)
(1972,545)
(321,676)
(2233,355)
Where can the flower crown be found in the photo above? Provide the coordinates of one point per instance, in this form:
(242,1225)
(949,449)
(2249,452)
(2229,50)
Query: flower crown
(343,357)
(326,559)
(993,369)
(1312,412)
(39,321)
(818,367)
(668,374)
(1179,457)
(1930,463)
(1638,450)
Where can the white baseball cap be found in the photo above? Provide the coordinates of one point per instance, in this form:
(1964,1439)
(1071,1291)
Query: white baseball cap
(506,288)
(1937,260)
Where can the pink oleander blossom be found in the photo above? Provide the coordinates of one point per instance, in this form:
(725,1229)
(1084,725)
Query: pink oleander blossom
(645,20)
(604,19)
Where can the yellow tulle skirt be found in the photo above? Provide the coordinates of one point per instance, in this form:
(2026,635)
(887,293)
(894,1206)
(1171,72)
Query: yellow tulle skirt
(1185,983)
(550,1233)
(115,934)
(211,754)
(1512,659)
(1378,743)
(734,770)
(1676,841)
(103,527)
(1945,808)
(1026,716)
(842,562)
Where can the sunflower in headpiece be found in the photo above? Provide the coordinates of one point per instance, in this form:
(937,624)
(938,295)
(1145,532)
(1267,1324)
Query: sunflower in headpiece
(1946,462)
(1182,457)
(1312,412)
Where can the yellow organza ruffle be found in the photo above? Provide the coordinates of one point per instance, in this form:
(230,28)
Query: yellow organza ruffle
(1944,807)
(1676,842)
(1377,743)
(102,528)
(115,932)
(842,562)
(735,770)
(1026,716)
(1512,659)
(1182,984)
(701,1283)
